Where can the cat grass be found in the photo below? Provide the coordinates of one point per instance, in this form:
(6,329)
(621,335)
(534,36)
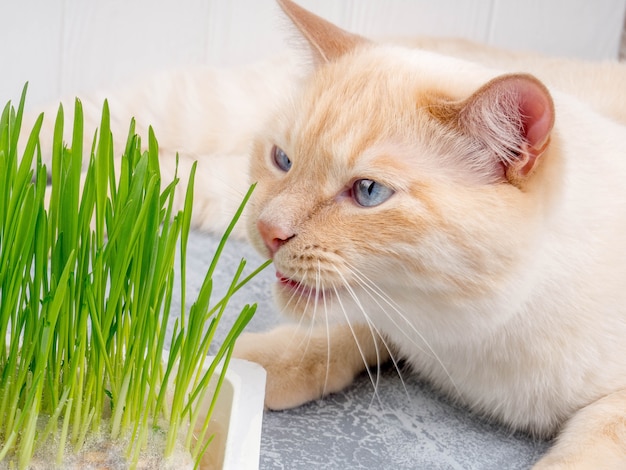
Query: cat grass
(86,287)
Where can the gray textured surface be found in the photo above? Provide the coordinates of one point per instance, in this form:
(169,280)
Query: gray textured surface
(404,425)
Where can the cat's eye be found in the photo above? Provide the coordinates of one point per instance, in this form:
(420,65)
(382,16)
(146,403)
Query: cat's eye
(369,193)
(280,158)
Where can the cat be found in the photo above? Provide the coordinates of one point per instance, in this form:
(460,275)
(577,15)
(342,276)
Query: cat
(469,221)
(430,201)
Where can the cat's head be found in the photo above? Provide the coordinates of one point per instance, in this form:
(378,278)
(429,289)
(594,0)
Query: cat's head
(397,174)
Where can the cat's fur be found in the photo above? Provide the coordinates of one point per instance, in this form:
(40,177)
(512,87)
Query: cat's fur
(497,268)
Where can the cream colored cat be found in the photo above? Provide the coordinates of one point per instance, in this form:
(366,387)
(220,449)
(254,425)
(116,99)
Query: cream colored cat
(469,221)
(418,206)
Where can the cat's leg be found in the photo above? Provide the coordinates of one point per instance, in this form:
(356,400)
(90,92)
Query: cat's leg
(305,364)
(593,438)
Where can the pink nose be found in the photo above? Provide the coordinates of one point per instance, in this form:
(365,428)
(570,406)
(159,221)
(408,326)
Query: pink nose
(273,236)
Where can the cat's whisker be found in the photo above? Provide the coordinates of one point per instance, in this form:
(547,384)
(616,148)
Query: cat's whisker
(288,304)
(358,344)
(294,299)
(312,302)
(394,360)
(371,288)
(377,334)
(376,295)
(318,276)
(311,322)
(372,329)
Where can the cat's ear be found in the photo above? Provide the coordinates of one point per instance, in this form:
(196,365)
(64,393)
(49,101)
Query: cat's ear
(327,41)
(513,116)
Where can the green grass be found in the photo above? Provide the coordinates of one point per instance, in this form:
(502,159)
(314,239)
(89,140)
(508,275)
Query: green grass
(86,287)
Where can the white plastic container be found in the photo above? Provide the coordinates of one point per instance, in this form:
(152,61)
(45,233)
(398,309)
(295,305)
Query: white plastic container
(238,417)
(236,425)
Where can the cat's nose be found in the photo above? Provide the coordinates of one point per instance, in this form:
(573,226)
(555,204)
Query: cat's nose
(273,235)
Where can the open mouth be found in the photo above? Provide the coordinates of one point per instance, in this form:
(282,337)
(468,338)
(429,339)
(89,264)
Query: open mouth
(297,287)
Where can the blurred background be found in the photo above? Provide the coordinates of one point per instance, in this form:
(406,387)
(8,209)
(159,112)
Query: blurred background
(70,46)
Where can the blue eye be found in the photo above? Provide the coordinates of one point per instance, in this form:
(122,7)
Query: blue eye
(281,159)
(368,193)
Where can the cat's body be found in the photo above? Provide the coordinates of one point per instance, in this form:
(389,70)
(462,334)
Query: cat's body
(436,210)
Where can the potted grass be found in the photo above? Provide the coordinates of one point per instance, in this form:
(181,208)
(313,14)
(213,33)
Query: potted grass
(86,284)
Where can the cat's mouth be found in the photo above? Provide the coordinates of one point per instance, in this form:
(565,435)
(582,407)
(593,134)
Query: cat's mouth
(297,287)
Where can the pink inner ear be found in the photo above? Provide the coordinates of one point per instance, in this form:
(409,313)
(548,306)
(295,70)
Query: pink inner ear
(537,112)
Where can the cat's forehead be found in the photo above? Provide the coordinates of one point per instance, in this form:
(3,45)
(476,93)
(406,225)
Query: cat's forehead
(349,107)
(364,112)
(383,86)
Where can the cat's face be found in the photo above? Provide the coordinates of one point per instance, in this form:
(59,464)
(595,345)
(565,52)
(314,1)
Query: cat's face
(372,191)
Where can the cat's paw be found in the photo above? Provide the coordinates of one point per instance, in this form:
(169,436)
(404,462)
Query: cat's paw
(297,363)
(593,438)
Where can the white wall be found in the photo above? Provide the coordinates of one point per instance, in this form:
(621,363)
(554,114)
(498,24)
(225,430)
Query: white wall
(65,46)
